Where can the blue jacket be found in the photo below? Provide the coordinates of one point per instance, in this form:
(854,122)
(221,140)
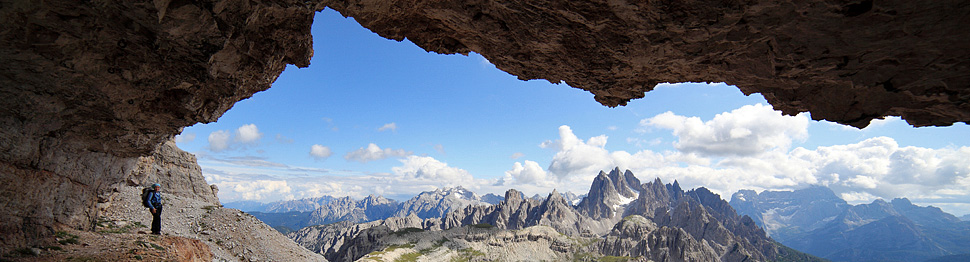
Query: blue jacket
(154,200)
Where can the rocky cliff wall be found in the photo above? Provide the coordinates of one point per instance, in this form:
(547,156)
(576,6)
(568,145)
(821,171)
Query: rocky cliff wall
(60,189)
(90,86)
(177,171)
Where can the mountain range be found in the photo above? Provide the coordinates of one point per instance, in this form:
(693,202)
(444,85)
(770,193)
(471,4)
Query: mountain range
(818,222)
(290,215)
(619,219)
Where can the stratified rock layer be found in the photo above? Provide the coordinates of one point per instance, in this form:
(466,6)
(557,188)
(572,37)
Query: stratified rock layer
(90,86)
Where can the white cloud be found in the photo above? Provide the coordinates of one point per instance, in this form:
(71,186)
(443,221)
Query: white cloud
(870,169)
(219,140)
(388,126)
(529,173)
(858,197)
(873,124)
(578,158)
(517,155)
(746,131)
(248,134)
(373,152)
(860,172)
(184,138)
(485,63)
(862,182)
(430,169)
(253,190)
(577,162)
(320,152)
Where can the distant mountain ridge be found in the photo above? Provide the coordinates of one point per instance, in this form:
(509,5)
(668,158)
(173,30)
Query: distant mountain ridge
(283,206)
(816,221)
(292,215)
(619,218)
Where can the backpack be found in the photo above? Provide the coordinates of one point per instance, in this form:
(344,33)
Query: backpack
(145,192)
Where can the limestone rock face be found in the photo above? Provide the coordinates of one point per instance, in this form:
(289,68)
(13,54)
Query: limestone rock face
(343,241)
(636,236)
(607,193)
(681,226)
(437,203)
(347,209)
(62,189)
(88,88)
(176,170)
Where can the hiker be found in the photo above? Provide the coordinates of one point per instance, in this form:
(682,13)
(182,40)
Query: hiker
(154,202)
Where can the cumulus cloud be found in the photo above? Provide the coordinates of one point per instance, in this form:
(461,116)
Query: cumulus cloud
(576,162)
(222,139)
(860,172)
(253,190)
(320,152)
(705,156)
(219,140)
(388,126)
(248,134)
(185,138)
(373,152)
(746,131)
(576,157)
(430,169)
(881,168)
(529,173)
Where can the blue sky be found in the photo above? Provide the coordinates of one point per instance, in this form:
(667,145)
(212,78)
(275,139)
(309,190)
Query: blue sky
(376,116)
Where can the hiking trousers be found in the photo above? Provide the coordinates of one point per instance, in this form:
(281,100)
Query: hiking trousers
(157,221)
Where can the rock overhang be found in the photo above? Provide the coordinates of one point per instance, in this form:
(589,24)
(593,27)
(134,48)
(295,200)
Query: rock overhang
(124,76)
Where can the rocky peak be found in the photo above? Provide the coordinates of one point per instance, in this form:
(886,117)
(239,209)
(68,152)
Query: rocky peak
(555,208)
(632,181)
(492,198)
(513,197)
(785,214)
(602,200)
(299,205)
(623,184)
(554,201)
(435,204)
(608,193)
(679,228)
(653,196)
(374,200)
